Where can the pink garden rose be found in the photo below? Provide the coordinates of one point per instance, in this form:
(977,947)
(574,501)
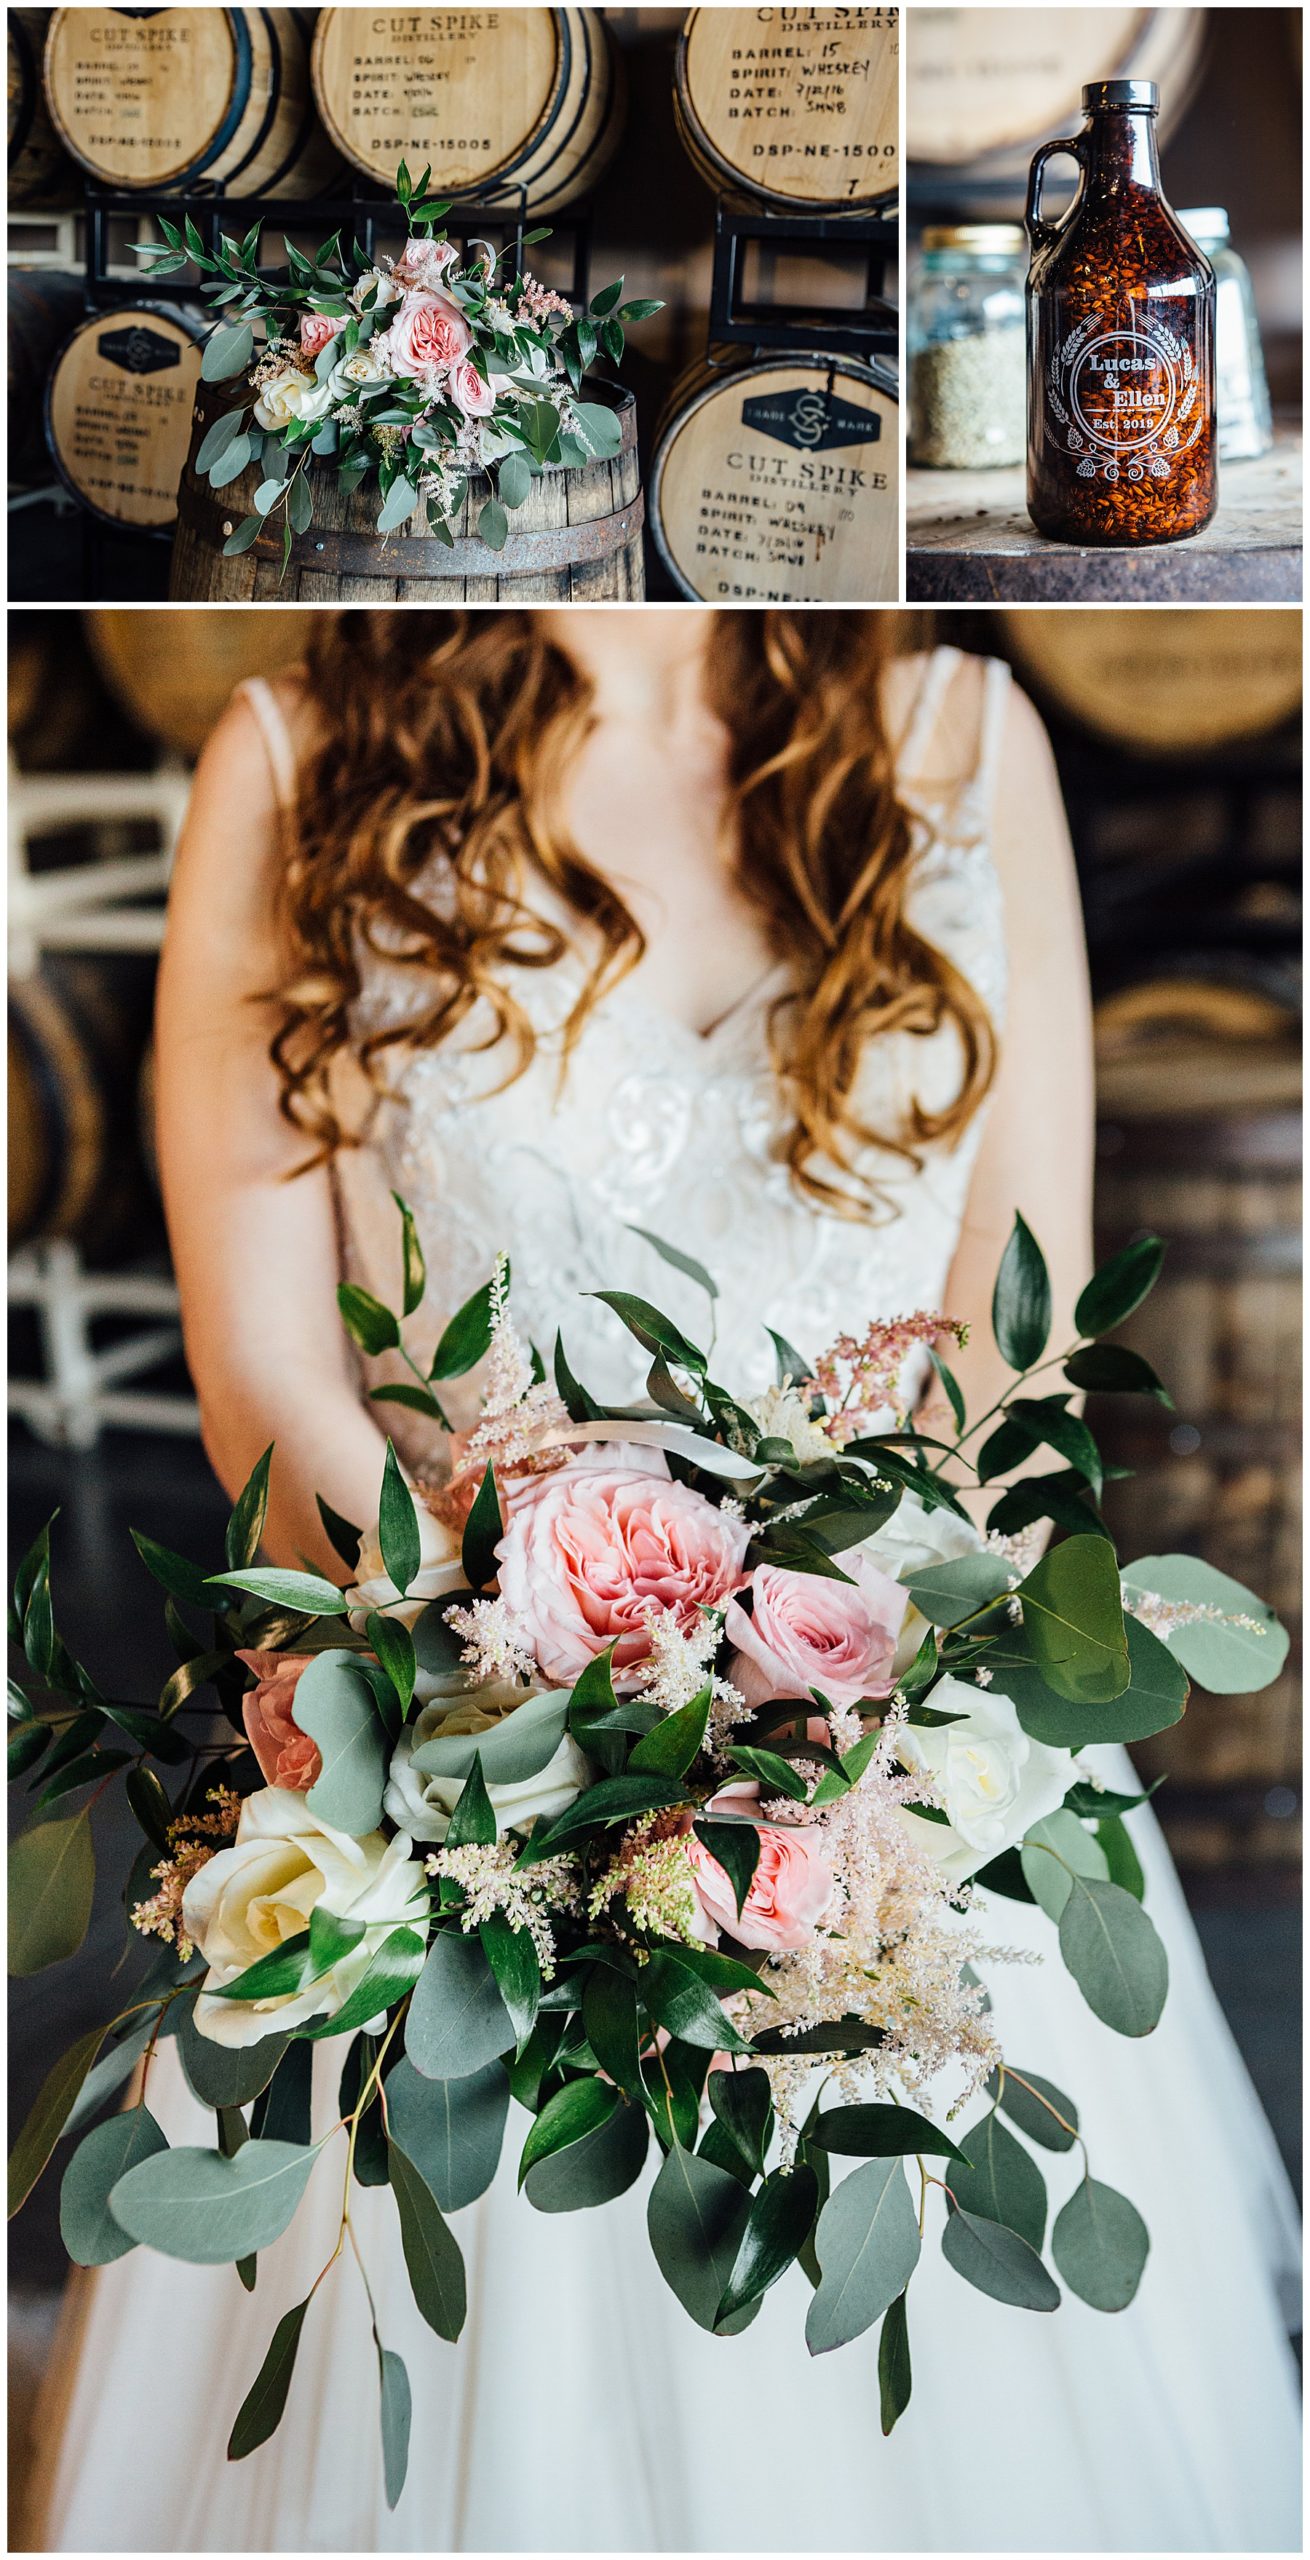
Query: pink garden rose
(287,1757)
(807,1632)
(590,1547)
(428,334)
(317,330)
(789,1891)
(469,392)
(424,262)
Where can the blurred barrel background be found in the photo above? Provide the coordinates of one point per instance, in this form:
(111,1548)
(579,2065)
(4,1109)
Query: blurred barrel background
(1177,736)
(567,112)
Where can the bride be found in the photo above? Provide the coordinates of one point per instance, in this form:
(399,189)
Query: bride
(746,929)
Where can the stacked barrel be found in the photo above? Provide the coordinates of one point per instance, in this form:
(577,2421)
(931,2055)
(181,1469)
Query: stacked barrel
(775,472)
(520,109)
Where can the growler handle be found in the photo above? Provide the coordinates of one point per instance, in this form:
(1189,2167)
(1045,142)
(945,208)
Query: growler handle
(1040,232)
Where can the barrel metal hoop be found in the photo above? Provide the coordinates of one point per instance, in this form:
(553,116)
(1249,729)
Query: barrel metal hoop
(363,555)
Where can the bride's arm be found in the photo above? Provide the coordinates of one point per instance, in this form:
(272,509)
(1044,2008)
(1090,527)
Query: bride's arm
(1037,1148)
(255,1253)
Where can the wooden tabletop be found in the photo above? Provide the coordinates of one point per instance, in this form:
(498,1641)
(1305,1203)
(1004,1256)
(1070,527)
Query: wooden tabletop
(970,540)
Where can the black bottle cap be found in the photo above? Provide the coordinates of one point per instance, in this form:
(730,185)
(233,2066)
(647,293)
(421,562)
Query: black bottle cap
(1120,93)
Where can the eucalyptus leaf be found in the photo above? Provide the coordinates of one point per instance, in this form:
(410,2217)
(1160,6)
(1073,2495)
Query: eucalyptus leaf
(594,2170)
(895,2377)
(87,2228)
(867,2245)
(1073,1621)
(695,2215)
(1037,2108)
(779,2223)
(260,2413)
(228,351)
(948,1593)
(1222,1654)
(518,1746)
(998,2262)
(457,2021)
(452,2130)
(1115,1956)
(1004,2183)
(51,1882)
(432,2253)
(1100,2245)
(1050,1849)
(336,1707)
(210,2210)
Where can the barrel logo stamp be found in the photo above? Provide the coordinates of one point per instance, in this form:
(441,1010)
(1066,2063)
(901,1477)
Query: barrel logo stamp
(138,350)
(1126,398)
(811,421)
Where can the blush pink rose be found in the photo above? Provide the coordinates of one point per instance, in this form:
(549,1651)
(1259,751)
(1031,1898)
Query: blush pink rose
(428,335)
(807,1632)
(474,397)
(424,262)
(287,1757)
(789,1891)
(590,1547)
(317,330)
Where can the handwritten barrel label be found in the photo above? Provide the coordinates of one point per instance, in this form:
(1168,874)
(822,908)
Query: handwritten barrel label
(800,103)
(120,404)
(777,486)
(461,90)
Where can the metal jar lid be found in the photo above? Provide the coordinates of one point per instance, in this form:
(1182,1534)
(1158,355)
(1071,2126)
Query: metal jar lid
(1120,93)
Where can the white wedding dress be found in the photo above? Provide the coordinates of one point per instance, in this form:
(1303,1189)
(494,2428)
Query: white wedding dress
(581,2410)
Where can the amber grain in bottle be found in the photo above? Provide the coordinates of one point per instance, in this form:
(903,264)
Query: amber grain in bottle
(1122,443)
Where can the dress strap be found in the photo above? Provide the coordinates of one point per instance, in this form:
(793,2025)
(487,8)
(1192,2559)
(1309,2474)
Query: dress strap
(937,675)
(991,731)
(273,729)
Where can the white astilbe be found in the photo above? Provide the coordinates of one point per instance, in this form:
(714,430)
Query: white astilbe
(889,1952)
(1164,1616)
(497,1645)
(533,1900)
(651,1872)
(679,1668)
(1021,1551)
(516,1414)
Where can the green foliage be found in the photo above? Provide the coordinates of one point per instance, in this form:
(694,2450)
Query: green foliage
(894,2372)
(1037,2109)
(87,2227)
(1118,1288)
(778,2224)
(398,1529)
(695,2216)
(336,1707)
(1115,1956)
(1021,1301)
(877,2130)
(483,1531)
(999,2262)
(1004,2183)
(1073,1621)
(1100,2244)
(592,2171)
(260,2413)
(451,2130)
(867,2245)
(457,2020)
(51,1881)
(1222,1654)
(208,2209)
(432,2253)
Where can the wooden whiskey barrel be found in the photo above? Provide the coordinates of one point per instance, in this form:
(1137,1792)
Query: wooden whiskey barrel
(775,479)
(44,304)
(40,172)
(576,538)
(492,100)
(118,411)
(1189,682)
(180,98)
(175,672)
(798,105)
(77,1032)
(1200,1141)
(985,86)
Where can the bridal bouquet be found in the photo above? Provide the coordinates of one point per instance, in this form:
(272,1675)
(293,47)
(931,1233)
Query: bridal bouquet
(419,370)
(653,1793)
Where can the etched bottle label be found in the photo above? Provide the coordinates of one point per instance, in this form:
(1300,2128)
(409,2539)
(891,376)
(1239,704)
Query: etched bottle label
(1125,398)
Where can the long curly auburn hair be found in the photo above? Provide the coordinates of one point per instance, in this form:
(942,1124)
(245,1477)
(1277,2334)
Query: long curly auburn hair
(445,741)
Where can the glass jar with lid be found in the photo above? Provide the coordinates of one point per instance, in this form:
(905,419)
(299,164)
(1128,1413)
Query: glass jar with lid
(1246,425)
(966,347)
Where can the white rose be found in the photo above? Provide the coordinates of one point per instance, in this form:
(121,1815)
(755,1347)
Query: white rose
(908,1543)
(290,399)
(378,283)
(346,377)
(248,1900)
(424,1805)
(995,1781)
(783,1414)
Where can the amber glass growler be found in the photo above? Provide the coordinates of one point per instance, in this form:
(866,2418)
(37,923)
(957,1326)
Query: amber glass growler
(1121,313)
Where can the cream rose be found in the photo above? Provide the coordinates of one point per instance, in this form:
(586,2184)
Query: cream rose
(376,288)
(350,372)
(246,1901)
(423,1804)
(994,1780)
(908,1543)
(291,399)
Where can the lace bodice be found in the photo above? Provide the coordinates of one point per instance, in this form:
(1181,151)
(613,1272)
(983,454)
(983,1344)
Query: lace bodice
(654,1125)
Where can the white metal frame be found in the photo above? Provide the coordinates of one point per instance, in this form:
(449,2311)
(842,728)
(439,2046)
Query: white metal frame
(86,1386)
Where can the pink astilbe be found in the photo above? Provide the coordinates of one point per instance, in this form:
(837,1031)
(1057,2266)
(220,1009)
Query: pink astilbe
(860,1382)
(192,1841)
(890,1952)
(536,303)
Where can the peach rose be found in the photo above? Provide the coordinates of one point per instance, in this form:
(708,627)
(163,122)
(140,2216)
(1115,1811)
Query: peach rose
(428,335)
(789,1891)
(317,330)
(474,397)
(589,1548)
(287,1757)
(807,1632)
